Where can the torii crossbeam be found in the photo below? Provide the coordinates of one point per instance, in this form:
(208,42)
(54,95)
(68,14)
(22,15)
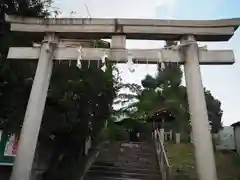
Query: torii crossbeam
(188,53)
(143,56)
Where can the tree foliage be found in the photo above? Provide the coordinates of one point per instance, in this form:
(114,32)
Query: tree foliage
(16,76)
(165,90)
(214,111)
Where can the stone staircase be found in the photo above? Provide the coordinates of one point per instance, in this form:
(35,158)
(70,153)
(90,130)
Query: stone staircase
(125,161)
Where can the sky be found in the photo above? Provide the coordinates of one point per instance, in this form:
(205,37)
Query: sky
(221,80)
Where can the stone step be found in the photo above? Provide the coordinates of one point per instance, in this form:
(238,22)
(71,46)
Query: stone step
(137,150)
(113,174)
(116,178)
(125,161)
(116,164)
(127,154)
(129,158)
(139,154)
(125,169)
(143,144)
(130,163)
(133,142)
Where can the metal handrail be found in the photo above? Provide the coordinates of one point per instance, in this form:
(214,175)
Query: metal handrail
(162,156)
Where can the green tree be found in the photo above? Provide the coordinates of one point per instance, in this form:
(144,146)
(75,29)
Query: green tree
(16,76)
(166,91)
(214,112)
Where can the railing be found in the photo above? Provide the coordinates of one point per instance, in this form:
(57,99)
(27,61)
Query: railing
(162,157)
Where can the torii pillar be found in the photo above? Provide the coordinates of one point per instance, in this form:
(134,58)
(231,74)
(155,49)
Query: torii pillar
(34,113)
(202,140)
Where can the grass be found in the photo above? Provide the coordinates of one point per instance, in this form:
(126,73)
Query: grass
(182,161)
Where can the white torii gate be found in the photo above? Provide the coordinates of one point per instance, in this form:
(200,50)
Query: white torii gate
(188,53)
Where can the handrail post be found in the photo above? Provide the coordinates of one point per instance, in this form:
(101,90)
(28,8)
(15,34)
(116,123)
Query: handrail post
(162,164)
(161,154)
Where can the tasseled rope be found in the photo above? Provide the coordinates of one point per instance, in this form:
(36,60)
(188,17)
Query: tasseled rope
(130,63)
(79,64)
(161,60)
(104,67)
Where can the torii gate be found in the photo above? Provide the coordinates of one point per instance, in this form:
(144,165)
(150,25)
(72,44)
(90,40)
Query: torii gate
(188,53)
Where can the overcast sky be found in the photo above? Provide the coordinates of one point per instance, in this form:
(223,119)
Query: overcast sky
(223,81)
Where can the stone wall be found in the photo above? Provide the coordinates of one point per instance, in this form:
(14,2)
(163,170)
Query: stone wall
(237,138)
